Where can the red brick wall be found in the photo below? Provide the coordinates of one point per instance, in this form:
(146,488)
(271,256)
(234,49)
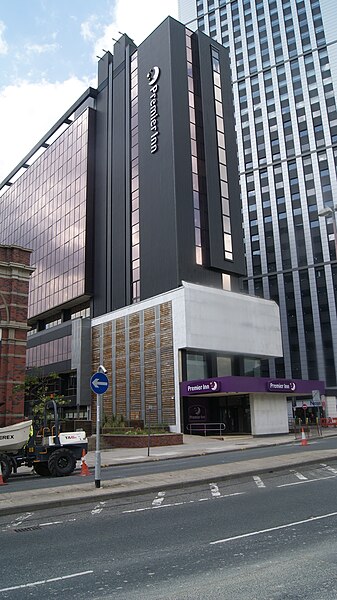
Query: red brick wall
(14,285)
(138,441)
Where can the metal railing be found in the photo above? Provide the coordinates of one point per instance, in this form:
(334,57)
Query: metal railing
(205,428)
(311,430)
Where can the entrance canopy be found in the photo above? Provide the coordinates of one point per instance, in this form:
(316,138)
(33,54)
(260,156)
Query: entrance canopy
(253,385)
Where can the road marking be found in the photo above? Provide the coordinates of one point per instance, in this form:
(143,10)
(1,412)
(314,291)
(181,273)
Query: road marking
(328,468)
(214,490)
(307,481)
(51,523)
(298,475)
(134,510)
(278,527)
(98,508)
(44,581)
(258,481)
(19,520)
(158,501)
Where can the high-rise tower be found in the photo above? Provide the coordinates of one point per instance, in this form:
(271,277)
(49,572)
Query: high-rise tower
(284,73)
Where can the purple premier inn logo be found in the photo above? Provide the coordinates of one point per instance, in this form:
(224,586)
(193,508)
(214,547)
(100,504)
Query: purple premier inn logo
(281,386)
(204,386)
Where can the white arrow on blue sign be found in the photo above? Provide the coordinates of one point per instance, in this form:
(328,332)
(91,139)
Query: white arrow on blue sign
(99,383)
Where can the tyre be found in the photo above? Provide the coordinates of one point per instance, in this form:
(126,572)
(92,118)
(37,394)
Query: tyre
(61,462)
(6,466)
(41,468)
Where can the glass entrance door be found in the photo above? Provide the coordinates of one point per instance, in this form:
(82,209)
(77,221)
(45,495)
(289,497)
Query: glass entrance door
(234,412)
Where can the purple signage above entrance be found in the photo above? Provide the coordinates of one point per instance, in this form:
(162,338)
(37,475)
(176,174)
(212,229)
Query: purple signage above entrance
(202,387)
(251,385)
(282,385)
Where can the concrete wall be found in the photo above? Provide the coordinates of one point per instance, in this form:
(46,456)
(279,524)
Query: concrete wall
(331,406)
(269,414)
(229,322)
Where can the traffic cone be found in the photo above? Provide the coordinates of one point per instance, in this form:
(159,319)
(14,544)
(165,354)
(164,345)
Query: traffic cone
(2,482)
(304,441)
(84,467)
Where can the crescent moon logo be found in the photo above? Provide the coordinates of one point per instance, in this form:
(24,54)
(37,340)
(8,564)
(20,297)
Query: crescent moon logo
(214,386)
(293,386)
(153,75)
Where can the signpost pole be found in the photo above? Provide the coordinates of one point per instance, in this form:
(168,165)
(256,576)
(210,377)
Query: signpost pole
(99,384)
(98,440)
(149,429)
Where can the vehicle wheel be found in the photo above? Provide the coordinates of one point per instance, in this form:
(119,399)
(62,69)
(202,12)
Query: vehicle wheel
(41,468)
(6,466)
(62,462)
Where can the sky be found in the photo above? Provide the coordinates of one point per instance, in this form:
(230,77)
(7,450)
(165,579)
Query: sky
(48,58)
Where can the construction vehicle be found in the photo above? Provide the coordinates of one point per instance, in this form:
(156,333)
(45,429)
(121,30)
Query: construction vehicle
(49,451)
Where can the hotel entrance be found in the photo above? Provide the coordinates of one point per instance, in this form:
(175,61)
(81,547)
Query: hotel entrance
(232,410)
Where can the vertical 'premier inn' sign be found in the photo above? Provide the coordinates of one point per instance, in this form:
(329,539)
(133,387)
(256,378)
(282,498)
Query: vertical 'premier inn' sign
(152,77)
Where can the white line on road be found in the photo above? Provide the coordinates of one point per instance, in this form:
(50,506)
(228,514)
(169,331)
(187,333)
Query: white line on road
(298,475)
(44,581)
(328,468)
(134,510)
(252,533)
(307,481)
(158,501)
(258,481)
(214,490)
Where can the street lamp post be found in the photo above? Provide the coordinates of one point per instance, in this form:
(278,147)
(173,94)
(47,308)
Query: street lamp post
(327,211)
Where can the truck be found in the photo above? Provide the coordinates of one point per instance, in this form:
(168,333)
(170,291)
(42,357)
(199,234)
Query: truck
(48,450)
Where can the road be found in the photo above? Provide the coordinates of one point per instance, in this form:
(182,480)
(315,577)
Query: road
(20,483)
(269,536)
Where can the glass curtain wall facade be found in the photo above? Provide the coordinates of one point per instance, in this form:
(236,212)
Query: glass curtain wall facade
(46,210)
(284,72)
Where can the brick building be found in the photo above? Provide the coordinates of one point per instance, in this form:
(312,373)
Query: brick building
(15,272)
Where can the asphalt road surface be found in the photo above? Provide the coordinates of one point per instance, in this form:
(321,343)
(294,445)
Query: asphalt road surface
(264,537)
(20,482)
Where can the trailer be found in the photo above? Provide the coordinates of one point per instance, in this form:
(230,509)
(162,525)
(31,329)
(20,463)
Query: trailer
(49,451)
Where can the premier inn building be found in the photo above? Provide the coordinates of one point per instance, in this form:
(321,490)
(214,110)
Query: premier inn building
(131,206)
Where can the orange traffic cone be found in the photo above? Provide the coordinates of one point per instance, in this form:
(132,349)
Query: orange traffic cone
(2,482)
(84,467)
(304,441)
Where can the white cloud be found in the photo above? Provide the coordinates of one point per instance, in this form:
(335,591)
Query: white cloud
(41,48)
(89,27)
(27,111)
(3,43)
(137,19)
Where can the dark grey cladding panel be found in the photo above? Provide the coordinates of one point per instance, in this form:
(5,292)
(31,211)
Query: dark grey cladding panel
(63,366)
(48,335)
(217,259)
(101,229)
(166,210)
(120,201)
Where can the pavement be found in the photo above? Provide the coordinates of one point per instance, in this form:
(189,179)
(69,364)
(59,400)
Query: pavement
(12,502)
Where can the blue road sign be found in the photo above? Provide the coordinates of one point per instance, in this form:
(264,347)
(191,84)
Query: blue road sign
(99,383)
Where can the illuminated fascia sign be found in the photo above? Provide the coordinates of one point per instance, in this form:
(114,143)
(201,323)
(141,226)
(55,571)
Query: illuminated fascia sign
(152,78)
(281,386)
(209,386)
